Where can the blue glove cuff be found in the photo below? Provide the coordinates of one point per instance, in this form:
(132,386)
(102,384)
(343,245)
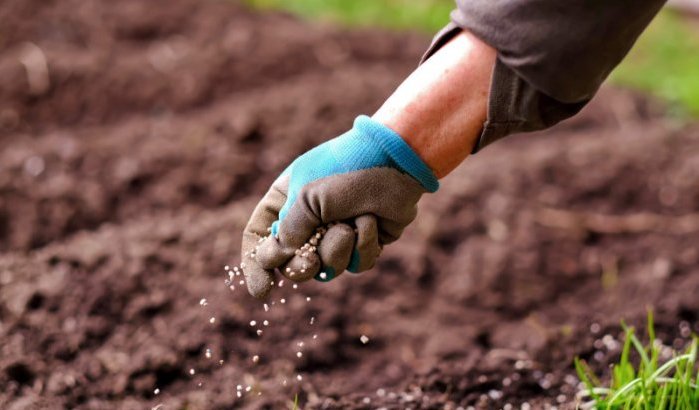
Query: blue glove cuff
(399,151)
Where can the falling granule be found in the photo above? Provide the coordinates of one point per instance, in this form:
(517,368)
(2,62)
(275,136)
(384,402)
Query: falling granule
(495,394)
(282,301)
(259,332)
(266,307)
(220,362)
(364,339)
(203,302)
(295,286)
(308,298)
(156,392)
(212,320)
(208,353)
(255,359)
(300,344)
(323,275)
(242,282)
(231,287)
(248,388)
(239,387)
(284,382)
(281,282)
(299,354)
(315,336)
(199,384)
(253,323)
(265,322)
(313,319)
(298,377)
(239,394)
(192,372)
(226,267)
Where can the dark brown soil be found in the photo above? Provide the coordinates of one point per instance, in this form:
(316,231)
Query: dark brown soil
(126,178)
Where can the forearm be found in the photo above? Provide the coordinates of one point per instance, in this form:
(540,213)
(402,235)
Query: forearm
(439,110)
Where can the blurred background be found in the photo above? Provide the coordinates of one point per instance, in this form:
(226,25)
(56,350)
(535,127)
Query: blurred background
(136,137)
(664,61)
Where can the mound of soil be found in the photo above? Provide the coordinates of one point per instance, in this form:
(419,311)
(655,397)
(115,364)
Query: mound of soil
(135,139)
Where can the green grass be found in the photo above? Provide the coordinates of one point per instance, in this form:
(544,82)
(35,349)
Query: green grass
(425,15)
(664,62)
(649,385)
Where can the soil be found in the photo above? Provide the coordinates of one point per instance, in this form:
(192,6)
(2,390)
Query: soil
(135,139)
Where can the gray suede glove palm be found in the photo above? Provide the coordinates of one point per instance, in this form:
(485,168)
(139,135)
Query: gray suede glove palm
(335,207)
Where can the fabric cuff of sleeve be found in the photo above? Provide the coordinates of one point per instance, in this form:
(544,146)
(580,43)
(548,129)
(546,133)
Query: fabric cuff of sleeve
(399,151)
(514,105)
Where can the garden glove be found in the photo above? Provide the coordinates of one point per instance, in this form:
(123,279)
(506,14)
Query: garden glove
(335,207)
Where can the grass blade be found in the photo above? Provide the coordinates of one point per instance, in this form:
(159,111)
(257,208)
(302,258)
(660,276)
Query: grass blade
(654,350)
(649,385)
(584,374)
(620,393)
(662,370)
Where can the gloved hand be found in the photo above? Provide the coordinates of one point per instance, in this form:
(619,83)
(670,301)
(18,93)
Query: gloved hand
(344,199)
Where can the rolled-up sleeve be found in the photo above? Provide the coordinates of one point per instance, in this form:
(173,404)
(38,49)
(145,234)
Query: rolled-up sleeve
(553,55)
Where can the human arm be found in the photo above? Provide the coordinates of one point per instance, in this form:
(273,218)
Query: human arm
(439,110)
(367,182)
(460,99)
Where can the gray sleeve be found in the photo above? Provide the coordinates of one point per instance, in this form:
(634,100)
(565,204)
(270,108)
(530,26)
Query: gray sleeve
(553,55)
(565,48)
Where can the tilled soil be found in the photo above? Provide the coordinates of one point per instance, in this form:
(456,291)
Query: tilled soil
(135,138)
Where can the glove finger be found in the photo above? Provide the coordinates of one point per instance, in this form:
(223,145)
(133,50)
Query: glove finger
(335,250)
(293,231)
(367,248)
(271,255)
(303,266)
(258,279)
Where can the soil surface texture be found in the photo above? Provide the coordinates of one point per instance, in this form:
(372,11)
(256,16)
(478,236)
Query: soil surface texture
(135,139)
